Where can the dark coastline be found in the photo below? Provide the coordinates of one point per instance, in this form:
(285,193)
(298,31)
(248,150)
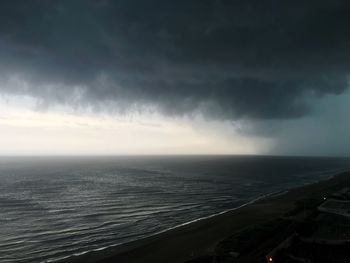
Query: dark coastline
(201,237)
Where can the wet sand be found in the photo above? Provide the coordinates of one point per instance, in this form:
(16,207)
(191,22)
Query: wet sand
(201,237)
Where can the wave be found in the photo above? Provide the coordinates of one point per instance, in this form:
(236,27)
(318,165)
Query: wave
(89,216)
(171,228)
(261,197)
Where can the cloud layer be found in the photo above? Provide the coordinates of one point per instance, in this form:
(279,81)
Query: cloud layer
(225,59)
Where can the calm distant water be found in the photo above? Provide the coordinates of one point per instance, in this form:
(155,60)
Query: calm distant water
(51,208)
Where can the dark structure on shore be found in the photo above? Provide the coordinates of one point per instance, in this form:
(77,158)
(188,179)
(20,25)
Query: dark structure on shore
(324,236)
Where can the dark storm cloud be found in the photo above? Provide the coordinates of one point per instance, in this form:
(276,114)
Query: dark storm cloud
(231,59)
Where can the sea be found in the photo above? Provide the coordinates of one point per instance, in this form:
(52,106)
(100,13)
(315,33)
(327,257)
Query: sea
(52,208)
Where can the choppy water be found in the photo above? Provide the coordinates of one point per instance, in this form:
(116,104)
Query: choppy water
(52,208)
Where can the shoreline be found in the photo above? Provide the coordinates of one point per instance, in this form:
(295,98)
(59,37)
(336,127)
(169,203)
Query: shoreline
(153,249)
(100,250)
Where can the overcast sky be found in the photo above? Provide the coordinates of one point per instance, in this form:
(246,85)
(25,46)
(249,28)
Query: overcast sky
(183,77)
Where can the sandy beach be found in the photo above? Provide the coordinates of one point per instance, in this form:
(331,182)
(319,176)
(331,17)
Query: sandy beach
(201,237)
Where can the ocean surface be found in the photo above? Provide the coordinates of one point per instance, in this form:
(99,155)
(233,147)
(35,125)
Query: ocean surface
(55,207)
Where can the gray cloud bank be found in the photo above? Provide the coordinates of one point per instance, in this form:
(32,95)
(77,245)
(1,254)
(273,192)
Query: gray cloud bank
(227,59)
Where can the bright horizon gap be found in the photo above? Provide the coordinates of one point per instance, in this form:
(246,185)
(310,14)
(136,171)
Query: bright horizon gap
(60,130)
(63,131)
(175,155)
